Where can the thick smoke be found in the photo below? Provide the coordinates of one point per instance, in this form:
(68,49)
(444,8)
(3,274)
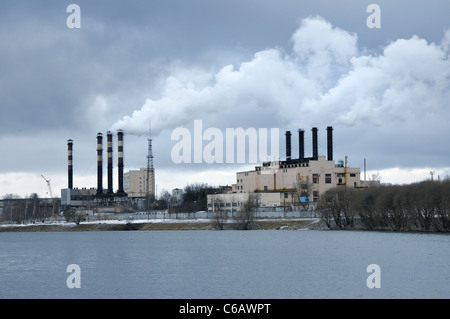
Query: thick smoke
(325,79)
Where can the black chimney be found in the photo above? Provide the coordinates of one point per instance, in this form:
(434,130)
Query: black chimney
(314,142)
(288,145)
(301,144)
(110,162)
(330,143)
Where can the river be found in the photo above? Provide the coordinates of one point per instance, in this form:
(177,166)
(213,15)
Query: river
(257,264)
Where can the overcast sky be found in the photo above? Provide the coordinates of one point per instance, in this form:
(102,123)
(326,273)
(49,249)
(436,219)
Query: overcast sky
(286,64)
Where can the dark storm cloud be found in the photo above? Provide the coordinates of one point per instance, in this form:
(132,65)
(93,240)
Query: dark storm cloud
(58,83)
(51,75)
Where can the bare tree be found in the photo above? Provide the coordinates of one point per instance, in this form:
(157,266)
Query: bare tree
(335,205)
(220,213)
(303,190)
(442,218)
(73,215)
(245,218)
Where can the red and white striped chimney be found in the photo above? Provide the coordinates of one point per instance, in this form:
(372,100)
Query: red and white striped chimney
(99,164)
(120,191)
(70,163)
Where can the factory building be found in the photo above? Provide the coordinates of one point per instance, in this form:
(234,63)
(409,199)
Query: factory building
(139,183)
(71,196)
(292,184)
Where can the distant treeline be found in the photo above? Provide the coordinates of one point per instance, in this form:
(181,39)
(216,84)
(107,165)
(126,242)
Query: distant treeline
(423,206)
(194,197)
(27,210)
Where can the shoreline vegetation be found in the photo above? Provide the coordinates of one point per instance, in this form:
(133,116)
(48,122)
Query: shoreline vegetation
(421,207)
(304,223)
(199,224)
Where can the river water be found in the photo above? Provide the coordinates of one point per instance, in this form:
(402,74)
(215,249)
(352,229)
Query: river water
(258,264)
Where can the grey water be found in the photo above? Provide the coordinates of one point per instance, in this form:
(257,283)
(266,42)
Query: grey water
(257,264)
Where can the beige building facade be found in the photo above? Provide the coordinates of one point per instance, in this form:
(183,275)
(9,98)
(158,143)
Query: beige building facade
(288,185)
(135,183)
(319,175)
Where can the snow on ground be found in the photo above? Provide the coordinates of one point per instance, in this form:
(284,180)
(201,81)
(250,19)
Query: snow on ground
(154,220)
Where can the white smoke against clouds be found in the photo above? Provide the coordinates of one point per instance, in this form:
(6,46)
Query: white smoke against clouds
(325,78)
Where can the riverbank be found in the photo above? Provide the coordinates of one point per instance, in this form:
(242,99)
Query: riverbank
(167,224)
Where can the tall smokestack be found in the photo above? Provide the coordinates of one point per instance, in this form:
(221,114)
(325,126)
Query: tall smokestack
(120,191)
(314,142)
(99,164)
(110,162)
(301,144)
(70,163)
(330,143)
(288,145)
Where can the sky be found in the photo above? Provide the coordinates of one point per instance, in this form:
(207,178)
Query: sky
(274,65)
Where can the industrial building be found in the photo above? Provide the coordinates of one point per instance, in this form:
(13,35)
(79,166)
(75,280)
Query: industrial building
(292,184)
(140,183)
(133,186)
(71,196)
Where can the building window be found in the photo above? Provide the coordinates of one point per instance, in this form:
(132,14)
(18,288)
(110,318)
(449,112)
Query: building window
(315,196)
(328,178)
(352,175)
(265,188)
(316,178)
(286,195)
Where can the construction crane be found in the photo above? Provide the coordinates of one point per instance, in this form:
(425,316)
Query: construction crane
(50,192)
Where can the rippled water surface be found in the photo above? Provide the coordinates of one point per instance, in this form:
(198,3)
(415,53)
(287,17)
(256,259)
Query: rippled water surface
(224,264)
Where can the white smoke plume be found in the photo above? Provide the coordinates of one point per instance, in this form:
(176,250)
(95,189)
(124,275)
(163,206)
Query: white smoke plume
(325,78)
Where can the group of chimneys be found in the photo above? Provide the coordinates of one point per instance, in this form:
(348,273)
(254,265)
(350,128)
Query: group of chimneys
(121,192)
(301,138)
(109,191)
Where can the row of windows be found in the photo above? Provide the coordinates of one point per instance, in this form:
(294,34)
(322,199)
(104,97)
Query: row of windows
(234,204)
(315,179)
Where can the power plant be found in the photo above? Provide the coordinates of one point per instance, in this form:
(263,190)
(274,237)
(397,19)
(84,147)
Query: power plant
(293,183)
(134,187)
(82,197)
(301,146)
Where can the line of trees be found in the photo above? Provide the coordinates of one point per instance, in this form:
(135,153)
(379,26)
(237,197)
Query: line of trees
(194,198)
(423,206)
(27,210)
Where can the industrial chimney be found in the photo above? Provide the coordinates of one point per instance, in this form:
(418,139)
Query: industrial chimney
(99,164)
(120,191)
(301,144)
(70,163)
(330,143)
(288,145)
(314,142)
(110,162)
